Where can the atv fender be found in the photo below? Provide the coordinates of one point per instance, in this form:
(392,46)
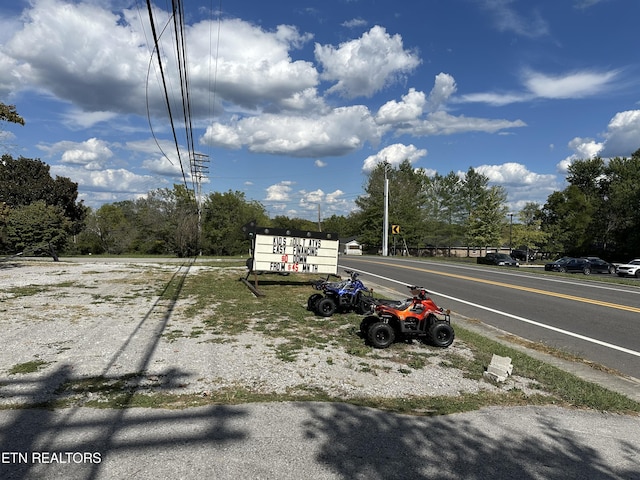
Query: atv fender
(366,323)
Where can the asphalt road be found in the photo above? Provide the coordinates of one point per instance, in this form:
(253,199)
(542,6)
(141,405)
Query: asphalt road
(597,321)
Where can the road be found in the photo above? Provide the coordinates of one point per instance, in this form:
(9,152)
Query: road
(597,321)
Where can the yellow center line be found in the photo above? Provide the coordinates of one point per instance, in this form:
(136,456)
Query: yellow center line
(514,287)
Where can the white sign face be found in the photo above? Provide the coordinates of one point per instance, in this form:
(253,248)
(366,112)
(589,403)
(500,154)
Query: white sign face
(278,253)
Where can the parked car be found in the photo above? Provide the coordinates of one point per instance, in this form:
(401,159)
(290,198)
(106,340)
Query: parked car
(524,255)
(498,259)
(632,269)
(569,265)
(600,266)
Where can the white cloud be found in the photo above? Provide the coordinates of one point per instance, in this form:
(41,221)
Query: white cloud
(280,192)
(507,19)
(366,65)
(512,173)
(320,164)
(623,134)
(537,85)
(394,154)
(340,132)
(109,180)
(442,123)
(443,88)
(570,85)
(409,109)
(354,23)
(621,139)
(92,154)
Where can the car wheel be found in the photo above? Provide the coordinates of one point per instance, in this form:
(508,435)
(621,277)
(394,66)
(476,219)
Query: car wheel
(381,335)
(441,334)
(326,307)
(637,273)
(562,270)
(586,271)
(313,300)
(612,270)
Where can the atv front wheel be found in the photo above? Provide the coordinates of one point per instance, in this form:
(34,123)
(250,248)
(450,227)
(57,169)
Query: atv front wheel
(312,302)
(381,335)
(326,307)
(441,334)
(365,305)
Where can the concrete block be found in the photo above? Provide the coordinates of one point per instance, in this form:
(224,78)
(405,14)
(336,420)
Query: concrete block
(499,368)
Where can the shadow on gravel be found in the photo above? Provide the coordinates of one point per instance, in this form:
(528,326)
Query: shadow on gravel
(366,443)
(43,433)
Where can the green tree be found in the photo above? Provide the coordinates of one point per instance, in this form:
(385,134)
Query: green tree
(443,210)
(528,233)
(8,113)
(622,191)
(24,181)
(406,200)
(224,214)
(566,218)
(37,227)
(113,229)
(487,218)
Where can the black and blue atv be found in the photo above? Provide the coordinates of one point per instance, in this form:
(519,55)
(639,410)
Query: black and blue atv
(342,296)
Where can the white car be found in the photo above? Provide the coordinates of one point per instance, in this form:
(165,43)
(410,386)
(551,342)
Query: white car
(632,268)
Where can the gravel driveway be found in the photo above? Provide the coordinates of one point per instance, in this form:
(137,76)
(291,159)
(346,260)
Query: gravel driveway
(106,320)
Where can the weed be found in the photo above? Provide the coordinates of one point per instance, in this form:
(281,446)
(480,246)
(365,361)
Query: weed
(28,367)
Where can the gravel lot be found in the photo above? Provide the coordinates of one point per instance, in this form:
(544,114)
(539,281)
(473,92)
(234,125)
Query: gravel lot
(105,319)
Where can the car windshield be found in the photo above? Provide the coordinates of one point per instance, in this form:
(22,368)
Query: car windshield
(635,262)
(563,260)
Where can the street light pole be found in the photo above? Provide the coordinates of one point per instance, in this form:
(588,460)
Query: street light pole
(385,226)
(510,232)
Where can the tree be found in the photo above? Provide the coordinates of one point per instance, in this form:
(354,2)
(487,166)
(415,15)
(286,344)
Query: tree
(443,210)
(8,114)
(406,201)
(487,218)
(528,233)
(622,191)
(37,226)
(224,214)
(24,181)
(113,229)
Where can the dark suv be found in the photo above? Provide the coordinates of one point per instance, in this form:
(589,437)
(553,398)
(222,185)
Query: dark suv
(569,265)
(498,259)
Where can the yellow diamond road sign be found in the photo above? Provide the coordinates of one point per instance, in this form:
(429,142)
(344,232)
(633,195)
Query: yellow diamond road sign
(395,229)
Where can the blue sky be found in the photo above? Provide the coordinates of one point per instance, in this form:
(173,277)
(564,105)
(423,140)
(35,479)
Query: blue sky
(294,102)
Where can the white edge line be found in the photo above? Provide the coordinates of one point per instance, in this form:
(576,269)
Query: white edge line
(515,317)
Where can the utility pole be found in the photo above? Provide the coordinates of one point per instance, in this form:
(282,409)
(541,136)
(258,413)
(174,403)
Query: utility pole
(198,170)
(385,227)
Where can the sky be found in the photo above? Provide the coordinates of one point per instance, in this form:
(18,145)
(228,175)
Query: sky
(293,102)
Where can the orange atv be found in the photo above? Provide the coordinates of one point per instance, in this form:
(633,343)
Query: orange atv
(418,316)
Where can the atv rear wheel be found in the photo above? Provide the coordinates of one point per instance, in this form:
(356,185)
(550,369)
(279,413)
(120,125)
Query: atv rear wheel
(312,302)
(326,307)
(381,335)
(441,334)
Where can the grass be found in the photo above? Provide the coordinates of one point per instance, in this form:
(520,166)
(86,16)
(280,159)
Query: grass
(27,367)
(221,308)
